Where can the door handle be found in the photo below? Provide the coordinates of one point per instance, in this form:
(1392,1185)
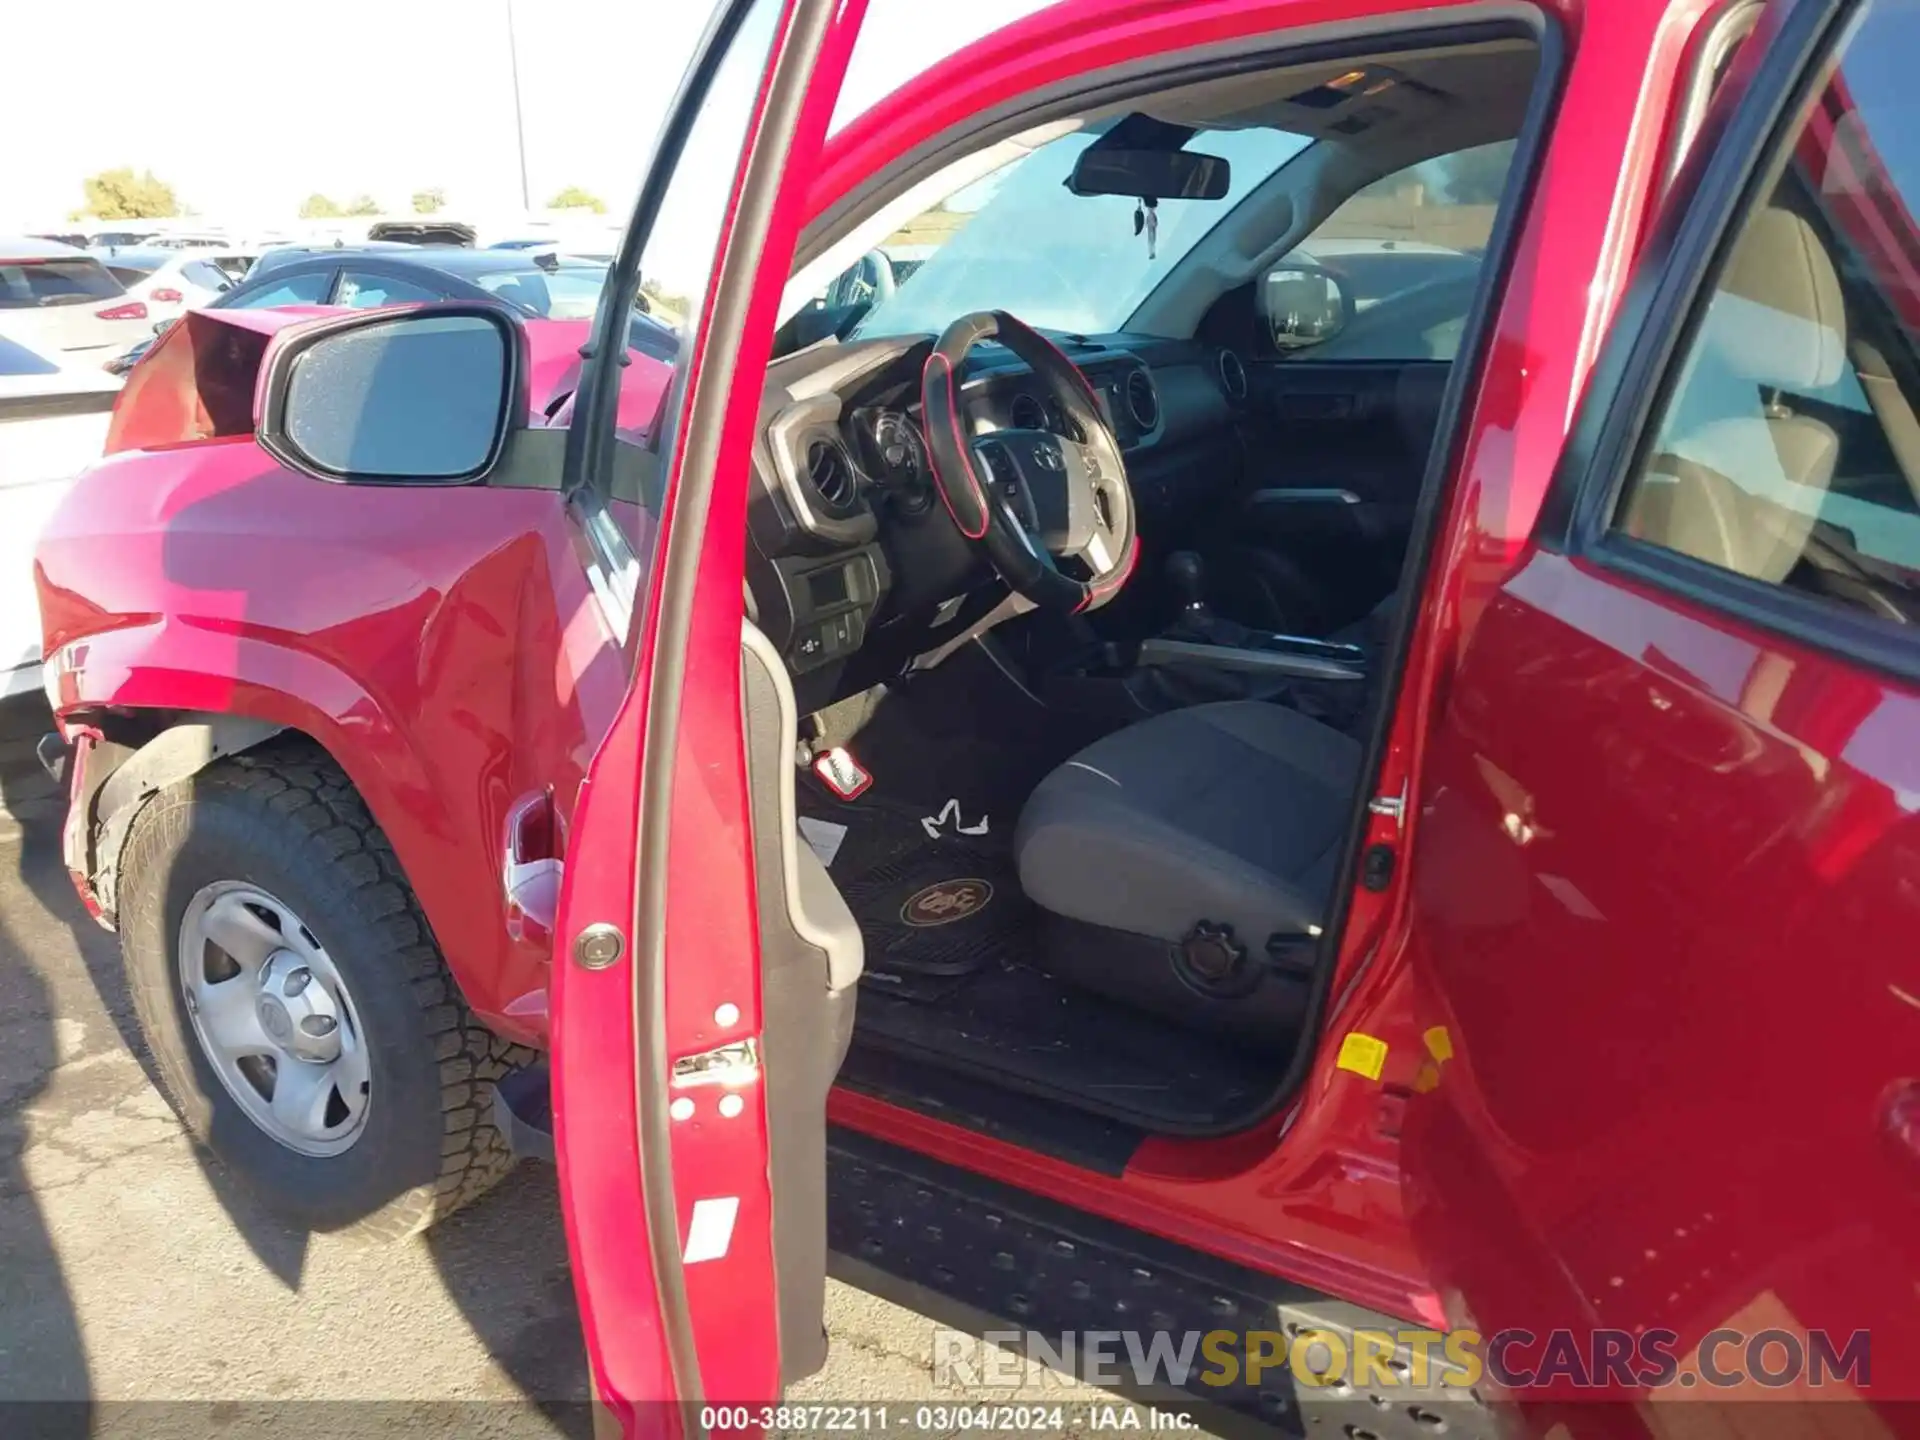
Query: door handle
(532,870)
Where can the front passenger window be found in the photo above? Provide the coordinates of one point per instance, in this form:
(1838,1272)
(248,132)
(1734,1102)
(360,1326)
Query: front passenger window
(1788,447)
(1405,253)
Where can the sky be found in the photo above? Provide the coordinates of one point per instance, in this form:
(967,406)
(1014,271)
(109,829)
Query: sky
(246,117)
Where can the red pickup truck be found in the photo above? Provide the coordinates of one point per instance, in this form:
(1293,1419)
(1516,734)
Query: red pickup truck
(1313,703)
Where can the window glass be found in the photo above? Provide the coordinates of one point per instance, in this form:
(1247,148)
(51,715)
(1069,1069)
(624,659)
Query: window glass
(677,264)
(1019,240)
(308,289)
(364,292)
(570,291)
(1406,253)
(33,284)
(1788,447)
(206,275)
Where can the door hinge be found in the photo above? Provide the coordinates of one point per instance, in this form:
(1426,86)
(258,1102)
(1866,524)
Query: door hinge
(1393,807)
(736,1063)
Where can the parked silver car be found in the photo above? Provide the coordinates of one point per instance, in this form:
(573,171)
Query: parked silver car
(59,298)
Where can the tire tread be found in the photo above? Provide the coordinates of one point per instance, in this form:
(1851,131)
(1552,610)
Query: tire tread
(297,781)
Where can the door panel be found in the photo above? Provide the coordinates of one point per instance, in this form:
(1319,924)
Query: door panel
(686,1217)
(811,956)
(1363,428)
(1667,861)
(1661,880)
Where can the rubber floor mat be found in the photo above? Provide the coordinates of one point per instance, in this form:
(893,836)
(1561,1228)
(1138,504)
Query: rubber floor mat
(944,909)
(1028,1031)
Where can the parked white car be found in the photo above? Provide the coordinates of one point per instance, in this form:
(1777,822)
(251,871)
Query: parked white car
(60,298)
(53,422)
(171,281)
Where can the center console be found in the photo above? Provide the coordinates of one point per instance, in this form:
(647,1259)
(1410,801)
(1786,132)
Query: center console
(1198,637)
(1202,656)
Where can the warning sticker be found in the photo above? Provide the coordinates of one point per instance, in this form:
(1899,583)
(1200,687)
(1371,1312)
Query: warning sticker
(1363,1055)
(1439,1043)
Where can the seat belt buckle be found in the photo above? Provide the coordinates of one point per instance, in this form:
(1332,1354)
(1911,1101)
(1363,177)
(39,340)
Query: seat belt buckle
(843,775)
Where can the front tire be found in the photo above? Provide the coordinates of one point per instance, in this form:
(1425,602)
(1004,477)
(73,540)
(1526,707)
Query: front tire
(301,1017)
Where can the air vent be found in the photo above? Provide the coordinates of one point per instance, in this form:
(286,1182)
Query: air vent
(830,472)
(1143,401)
(1027,413)
(1233,376)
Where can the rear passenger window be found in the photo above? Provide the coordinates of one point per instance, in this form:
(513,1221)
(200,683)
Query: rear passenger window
(1788,447)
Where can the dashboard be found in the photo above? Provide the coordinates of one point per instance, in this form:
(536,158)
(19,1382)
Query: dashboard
(854,566)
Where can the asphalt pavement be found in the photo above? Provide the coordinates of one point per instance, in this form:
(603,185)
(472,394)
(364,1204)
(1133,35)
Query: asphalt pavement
(133,1270)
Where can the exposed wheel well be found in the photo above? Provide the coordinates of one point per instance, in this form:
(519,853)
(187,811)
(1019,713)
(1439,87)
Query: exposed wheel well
(139,753)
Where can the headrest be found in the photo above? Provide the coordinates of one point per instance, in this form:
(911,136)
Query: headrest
(1778,317)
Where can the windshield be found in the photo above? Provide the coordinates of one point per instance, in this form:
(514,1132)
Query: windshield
(1019,240)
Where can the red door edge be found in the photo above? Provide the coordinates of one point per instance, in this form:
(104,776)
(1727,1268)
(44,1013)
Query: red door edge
(621,1179)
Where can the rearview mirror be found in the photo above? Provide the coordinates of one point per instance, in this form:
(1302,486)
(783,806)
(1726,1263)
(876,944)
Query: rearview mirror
(1150,174)
(423,396)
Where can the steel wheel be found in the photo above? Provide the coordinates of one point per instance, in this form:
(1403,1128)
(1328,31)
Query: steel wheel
(274,1018)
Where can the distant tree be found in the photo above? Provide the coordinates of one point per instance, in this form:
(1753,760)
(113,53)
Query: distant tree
(318,207)
(122,195)
(574,198)
(425,202)
(364,205)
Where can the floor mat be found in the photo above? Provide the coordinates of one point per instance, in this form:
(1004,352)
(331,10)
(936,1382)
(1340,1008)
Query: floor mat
(925,861)
(951,982)
(943,909)
(1031,1032)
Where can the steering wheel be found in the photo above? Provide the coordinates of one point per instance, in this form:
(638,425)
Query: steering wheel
(1033,500)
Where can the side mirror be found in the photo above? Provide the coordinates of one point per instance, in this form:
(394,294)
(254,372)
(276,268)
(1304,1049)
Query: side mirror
(421,396)
(1303,305)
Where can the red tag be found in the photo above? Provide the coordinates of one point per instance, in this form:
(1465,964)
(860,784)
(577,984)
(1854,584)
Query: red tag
(841,773)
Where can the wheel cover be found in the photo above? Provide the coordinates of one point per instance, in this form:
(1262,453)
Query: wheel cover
(274,1019)
(1032,499)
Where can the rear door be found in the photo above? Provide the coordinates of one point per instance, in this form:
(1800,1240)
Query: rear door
(1667,863)
(697,1026)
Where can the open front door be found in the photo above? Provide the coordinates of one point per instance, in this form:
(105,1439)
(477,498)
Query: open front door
(697,1026)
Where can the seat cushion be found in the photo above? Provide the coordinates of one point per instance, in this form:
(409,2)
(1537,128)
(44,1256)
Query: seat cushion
(1231,813)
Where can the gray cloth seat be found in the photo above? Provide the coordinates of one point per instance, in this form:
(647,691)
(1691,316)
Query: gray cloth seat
(1231,813)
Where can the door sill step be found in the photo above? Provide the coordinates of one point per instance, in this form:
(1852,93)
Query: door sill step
(964,1249)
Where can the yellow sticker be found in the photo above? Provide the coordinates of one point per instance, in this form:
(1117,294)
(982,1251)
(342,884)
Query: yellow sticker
(1363,1055)
(1439,1043)
(1427,1079)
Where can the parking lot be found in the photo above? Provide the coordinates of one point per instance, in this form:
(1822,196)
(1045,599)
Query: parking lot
(134,1270)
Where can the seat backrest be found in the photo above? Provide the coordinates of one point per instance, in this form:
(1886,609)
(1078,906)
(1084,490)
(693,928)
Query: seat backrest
(1738,475)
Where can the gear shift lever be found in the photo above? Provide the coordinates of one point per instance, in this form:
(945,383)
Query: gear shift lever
(1187,574)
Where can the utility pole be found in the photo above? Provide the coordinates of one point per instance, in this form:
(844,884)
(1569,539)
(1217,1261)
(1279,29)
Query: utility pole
(519,122)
